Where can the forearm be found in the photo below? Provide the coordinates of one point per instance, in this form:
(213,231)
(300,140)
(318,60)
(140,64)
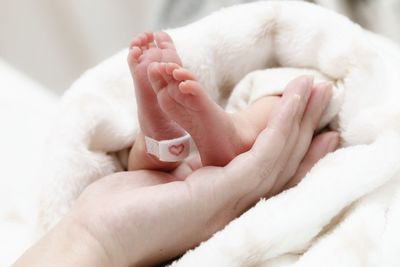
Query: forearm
(67,244)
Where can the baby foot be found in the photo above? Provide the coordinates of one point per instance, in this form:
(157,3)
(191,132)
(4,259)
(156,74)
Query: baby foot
(153,121)
(216,133)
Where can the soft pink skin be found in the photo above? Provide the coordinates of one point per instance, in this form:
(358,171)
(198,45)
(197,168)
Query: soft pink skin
(143,52)
(145,217)
(170,99)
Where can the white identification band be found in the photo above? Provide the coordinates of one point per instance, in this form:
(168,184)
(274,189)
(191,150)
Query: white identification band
(172,150)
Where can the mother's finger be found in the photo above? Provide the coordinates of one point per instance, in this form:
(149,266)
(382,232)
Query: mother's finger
(249,175)
(306,83)
(299,88)
(319,99)
(320,146)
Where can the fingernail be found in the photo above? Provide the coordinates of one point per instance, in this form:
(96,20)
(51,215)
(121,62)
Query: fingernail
(292,105)
(334,142)
(327,94)
(323,93)
(310,79)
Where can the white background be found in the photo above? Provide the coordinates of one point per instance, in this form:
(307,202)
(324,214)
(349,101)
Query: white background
(54,41)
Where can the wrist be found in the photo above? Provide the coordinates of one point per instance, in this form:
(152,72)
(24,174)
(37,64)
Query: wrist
(83,245)
(98,239)
(67,244)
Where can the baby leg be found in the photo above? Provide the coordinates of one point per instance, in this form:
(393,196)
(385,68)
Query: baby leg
(183,99)
(153,121)
(219,136)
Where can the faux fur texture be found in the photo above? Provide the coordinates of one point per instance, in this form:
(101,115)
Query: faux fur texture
(346,212)
(26,109)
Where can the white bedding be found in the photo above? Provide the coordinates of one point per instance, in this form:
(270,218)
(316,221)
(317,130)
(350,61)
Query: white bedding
(347,210)
(25,109)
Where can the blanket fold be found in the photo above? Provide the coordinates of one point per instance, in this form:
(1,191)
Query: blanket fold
(346,210)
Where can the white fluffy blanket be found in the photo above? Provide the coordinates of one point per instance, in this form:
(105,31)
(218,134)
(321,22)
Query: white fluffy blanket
(346,212)
(25,113)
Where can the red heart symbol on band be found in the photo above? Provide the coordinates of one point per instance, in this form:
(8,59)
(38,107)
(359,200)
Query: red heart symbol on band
(176,149)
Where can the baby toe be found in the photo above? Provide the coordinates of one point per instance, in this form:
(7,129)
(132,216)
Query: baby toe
(164,41)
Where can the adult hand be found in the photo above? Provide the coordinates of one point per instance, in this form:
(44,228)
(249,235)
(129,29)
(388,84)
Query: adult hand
(145,217)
